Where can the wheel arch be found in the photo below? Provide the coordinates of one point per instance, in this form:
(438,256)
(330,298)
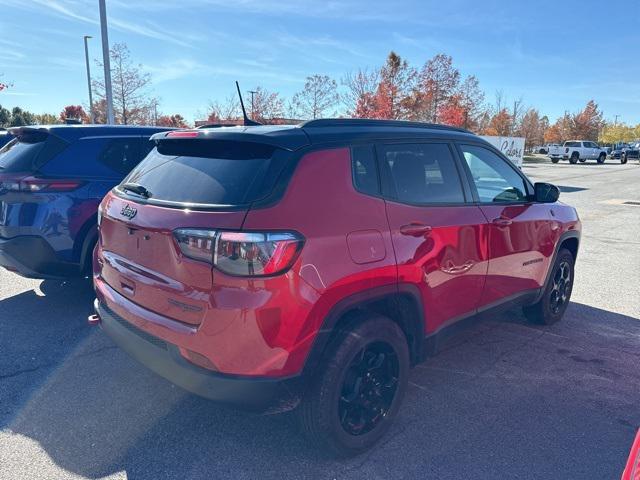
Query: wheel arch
(569,240)
(400,303)
(85,238)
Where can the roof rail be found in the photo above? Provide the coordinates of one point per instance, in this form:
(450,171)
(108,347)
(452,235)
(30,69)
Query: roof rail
(366,122)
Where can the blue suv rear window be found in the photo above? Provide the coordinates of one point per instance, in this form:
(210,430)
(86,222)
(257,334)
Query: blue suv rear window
(96,157)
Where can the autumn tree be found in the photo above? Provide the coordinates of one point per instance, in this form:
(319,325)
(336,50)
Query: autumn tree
(553,134)
(588,122)
(393,95)
(176,121)
(359,89)
(532,127)
(131,100)
(439,81)
(500,124)
(75,112)
(47,119)
(470,97)
(619,132)
(453,112)
(226,110)
(267,106)
(4,84)
(320,93)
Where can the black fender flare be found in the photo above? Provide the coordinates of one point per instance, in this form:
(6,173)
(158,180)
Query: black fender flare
(565,236)
(361,300)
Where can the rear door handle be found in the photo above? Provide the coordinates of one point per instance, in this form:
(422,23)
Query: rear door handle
(416,229)
(502,221)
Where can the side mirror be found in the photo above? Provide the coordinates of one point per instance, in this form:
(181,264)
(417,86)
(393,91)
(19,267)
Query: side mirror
(546,192)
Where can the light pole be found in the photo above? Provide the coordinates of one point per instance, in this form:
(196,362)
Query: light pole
(86,58)
(253,111)
(106,62)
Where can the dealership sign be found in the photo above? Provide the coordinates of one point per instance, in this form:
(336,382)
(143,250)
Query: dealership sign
(512,147)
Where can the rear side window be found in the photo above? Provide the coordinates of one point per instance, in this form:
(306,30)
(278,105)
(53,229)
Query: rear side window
(96,157)
(208,173)
(17,156)
(121,154)
(29,152)
(572,144)
(365,170)
(421,174)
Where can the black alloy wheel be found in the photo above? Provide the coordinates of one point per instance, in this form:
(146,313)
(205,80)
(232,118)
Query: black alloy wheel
(369,388)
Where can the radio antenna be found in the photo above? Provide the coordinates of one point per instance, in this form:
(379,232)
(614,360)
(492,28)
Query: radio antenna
(247,121)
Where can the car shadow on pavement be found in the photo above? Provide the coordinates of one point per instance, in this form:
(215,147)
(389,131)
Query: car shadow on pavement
(501,399)
(567,189)
(37,329)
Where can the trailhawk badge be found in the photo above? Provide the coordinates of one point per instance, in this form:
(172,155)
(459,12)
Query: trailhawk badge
(128,212)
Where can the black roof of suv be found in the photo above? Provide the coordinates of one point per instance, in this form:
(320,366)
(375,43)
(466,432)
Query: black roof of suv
(294,137)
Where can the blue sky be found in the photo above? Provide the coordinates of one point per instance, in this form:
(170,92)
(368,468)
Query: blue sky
(556,55)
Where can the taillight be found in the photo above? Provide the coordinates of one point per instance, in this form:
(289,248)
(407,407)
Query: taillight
(246,254)
(33,184)
(196,243)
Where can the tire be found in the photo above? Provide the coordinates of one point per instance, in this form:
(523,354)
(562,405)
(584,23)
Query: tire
(557,294)
(326,417)
(602,158)
(555,159)
(623,159)
(574,158)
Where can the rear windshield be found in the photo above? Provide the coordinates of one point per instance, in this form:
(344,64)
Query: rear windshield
(17,156)
(208,173)
(29,152)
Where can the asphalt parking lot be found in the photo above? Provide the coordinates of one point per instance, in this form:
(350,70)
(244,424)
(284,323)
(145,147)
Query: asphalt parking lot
(504,399)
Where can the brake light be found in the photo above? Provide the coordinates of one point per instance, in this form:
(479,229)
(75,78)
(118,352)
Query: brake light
(33,184)
(247,254)
(182,134)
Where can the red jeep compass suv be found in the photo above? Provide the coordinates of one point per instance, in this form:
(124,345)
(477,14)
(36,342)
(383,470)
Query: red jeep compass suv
(310,266)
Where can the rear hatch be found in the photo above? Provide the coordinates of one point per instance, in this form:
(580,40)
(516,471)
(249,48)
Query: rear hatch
(184,185)
(20,160)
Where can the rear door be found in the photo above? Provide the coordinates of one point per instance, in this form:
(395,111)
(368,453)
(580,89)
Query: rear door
(189,185)
(520,240)
(436,234)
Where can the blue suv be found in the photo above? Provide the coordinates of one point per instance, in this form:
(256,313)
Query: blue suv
(51,181)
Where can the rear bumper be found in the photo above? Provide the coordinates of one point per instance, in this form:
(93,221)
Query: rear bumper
(259,394)
(31,256)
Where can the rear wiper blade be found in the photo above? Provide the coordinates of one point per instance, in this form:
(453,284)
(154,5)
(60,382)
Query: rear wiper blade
(137,189)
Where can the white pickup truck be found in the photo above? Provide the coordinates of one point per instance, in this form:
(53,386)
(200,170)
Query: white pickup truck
(579,151)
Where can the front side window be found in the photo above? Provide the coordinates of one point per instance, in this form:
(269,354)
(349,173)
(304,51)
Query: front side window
(495,180)
(421,173)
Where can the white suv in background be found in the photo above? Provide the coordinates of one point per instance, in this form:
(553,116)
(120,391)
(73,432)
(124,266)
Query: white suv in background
(579,150)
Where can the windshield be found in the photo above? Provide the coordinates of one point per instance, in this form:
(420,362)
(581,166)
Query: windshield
(205,173)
